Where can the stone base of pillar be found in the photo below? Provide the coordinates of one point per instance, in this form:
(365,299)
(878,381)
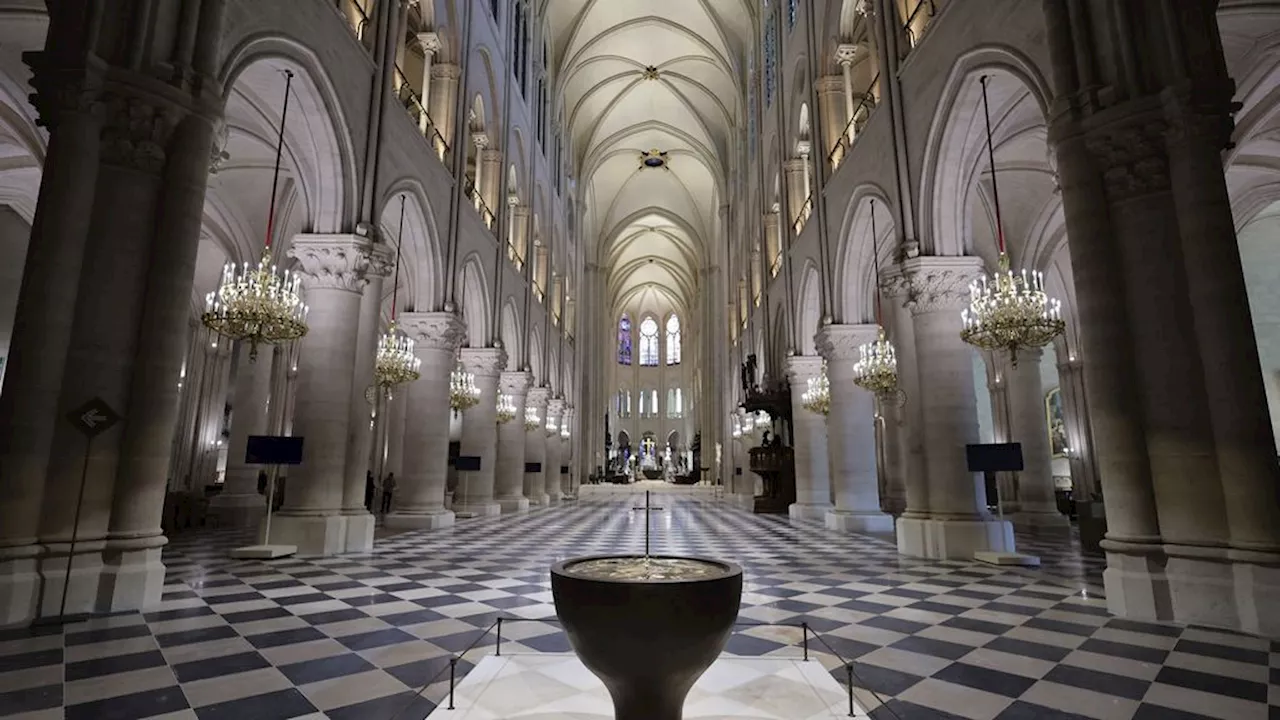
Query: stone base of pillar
(514,505)
(237,510)
(1134,581)
(132,574)
(542,500)
(359,531)
(849,521)
(313,535)
(19,585)
(1041,521)
(952,539)
(552,498)
(86,572)
(809,511)
(428,520)
(1257,597)
(746,501)
(476,509)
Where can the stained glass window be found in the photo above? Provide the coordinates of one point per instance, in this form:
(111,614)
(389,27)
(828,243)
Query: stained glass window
(624,340)
(673,340)
(675,403)
(791,13)
(624,403)
(648,342)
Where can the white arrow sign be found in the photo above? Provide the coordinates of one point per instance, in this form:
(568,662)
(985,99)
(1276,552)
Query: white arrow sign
(92,418)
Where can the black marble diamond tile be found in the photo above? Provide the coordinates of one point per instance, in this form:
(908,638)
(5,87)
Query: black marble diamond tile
(211,667)
(333,616)
(310,671)
(285,637)
(1217,684)
(277,705)
(30,700)
(98,667)
(187,637)
(1253,657)
(1021,710)
(246,616)
(980,678)
(402,705)
(376,639)
(1096,681)
(935,648)
(1059,626)
(1125,650)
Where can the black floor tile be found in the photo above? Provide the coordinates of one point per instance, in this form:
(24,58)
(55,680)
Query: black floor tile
(1102,682)
(285,637)
(980,678)
(376,639)
(935,648)
(28,700)
(1020,710)
(1125,650)
(311,671)
(187,637)
(219,666)
(123,632)
(279,705)
(112,665)
(130,707)
(1039,651)
(1217,684)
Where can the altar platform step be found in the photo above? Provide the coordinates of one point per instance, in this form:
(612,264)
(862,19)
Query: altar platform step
(557,686)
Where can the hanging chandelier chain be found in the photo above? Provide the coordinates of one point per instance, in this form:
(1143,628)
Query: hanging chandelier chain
(395,288)
(875,263)
(275,179)
(991,159)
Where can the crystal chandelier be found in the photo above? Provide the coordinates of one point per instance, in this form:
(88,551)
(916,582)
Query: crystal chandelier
(1008,311)
(817,396)
(531,421)
(396,363)
(506,408)
(736,423)
(564,432)
(552,427)
(256,305)
(877,367)
(463,392)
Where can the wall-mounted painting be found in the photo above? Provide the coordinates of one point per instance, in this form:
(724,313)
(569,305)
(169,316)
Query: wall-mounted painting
(1056,422)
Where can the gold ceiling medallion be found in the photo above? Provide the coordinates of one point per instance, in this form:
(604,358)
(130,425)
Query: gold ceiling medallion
(651,72)
(653,159)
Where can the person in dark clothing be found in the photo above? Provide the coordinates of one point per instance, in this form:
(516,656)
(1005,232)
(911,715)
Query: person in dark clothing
(388,488)
(262,482)
(368,491)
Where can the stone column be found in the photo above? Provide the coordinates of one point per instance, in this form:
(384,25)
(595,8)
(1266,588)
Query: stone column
(430,44)
(474,496)
(418,501)
(334,269)
(364,397)
(395,409)
(794,179)
(955,522)
(240,504)
(996,368)
(509,480)
(1037,506)
(813,481)
(1075,412)
(491,159)
(566,454)
(845,55)
(551,467)
(444,93)
(830,89)
(535,449)
(520,232)
(851,434)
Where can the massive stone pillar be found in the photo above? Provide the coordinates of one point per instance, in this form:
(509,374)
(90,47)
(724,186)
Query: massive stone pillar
(1037,504)
(954,522)
(813,480)
(334,269)
(509,479)
(474,495)
(364,399)
(418,501)
(535,449)
(904,445)
(395,408)
(1142,178)
(489,178)
(551,467)
(240,504)
(851,434)
(830,90)
(444,93)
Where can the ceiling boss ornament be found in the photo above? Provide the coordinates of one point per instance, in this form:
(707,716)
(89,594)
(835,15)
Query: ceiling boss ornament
(653,159)
(254,304)
(877,368)
(1008,311)
(396,362)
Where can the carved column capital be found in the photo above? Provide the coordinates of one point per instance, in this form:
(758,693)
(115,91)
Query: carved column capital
(445,71)
(336,262)
(829,85)
(538,397)
(484,361)
(846,53)
(555,407)
(136,129)
(434,330)
(934,283)
(515,382)
(429,42)
(62,92)
(802,367)
(1131,156)
(840,343)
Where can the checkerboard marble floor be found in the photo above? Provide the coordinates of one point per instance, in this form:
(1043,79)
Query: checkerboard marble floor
(369,636)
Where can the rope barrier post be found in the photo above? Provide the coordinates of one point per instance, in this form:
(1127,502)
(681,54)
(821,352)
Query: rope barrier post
(805,627)
(453,665)
(498,647)
(849,670)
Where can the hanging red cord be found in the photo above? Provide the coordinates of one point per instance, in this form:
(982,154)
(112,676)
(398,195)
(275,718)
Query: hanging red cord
(395,290)
(875,263)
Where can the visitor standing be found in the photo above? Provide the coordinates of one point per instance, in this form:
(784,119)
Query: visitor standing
(388,489)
